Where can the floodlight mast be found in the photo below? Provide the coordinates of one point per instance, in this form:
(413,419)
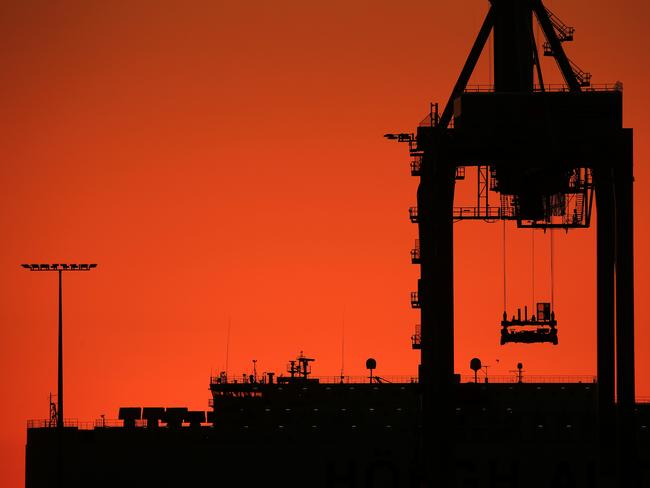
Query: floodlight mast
(59,268)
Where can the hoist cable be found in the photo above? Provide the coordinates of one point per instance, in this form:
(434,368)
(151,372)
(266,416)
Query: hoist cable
(532,244)
(552,273)
(504,267)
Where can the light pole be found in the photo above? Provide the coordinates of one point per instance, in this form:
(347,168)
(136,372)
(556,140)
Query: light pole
(59,268)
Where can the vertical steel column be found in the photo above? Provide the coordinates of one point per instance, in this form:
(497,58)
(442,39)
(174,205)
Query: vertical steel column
(513,48)
(436,294)
(59,414)
(605,368)
(468,68)
(623,200)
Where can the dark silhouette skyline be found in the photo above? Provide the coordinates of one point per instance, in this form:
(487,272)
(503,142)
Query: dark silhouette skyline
(128,140)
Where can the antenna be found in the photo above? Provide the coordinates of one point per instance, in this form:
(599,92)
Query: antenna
(343,345)
(227,345)
(53,413)
(519,372)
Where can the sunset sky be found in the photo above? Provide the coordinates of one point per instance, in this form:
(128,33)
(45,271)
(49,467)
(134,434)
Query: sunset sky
(223,162)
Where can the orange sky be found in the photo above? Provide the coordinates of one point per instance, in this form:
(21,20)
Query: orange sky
(225,159)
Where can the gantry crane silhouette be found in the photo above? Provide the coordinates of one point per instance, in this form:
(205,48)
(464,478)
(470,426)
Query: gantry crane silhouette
(546,152)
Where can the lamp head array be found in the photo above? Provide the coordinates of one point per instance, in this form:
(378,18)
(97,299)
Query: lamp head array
(59,267)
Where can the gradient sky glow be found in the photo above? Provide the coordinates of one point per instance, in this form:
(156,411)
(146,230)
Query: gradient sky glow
(224,161)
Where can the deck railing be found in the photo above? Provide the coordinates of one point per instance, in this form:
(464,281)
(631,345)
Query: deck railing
(499,379)
(568,379)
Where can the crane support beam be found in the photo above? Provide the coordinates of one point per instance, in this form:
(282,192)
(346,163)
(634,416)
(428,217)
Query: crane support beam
(556,46)
(468,69)
(623,195)
(605,363)
(435,203)
(513,47)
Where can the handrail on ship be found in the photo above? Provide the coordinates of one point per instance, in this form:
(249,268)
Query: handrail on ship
(97,424)
(217,380)
(115,423)
(587,380)
(355,380)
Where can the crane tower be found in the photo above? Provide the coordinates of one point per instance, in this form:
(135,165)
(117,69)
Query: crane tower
(544,153)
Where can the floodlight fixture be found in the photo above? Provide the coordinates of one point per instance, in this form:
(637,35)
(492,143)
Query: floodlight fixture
(59,268)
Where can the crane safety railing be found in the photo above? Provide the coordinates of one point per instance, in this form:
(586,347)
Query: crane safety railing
(415,252)
(416,338)
(551,87)
(483,213)
(583,77)
(413,214)
(415,299)
(479,88)
(564,32)
(429,121)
